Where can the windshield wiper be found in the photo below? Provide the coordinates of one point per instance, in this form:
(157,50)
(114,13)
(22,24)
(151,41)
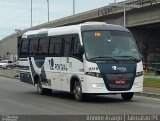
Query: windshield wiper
(133,58)
(105,57)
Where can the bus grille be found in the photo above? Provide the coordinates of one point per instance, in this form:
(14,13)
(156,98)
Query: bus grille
(112,78)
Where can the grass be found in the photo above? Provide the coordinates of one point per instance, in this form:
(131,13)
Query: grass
(155,83)
(149,74)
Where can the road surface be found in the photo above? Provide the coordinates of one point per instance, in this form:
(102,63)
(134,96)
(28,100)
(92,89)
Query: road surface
(21,99)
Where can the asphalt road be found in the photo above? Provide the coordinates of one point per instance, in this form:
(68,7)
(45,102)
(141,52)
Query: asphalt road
(21,99)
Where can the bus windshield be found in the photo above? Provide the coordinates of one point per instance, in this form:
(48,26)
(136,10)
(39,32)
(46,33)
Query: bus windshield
(117,45)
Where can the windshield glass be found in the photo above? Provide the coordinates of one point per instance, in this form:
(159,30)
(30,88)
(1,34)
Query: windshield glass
(110,45)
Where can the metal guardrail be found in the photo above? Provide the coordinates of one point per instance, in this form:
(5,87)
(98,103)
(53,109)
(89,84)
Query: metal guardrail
(112,9)
(142,2)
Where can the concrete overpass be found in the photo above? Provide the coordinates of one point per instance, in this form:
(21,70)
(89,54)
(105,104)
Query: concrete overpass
(144,22)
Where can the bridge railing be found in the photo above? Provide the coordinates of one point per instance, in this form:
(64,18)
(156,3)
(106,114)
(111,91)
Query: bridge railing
(111,9)
(142,2)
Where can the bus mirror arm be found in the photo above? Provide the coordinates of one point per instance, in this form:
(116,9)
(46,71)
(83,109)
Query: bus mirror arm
(141,56)
(140,52)
(81,49)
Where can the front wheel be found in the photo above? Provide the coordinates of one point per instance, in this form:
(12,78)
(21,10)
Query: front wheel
(78,91)
(127,96)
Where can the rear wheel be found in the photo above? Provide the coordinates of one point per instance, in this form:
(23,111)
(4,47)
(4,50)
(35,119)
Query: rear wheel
(78,91)
(48,91)
(127,96)
(41,90)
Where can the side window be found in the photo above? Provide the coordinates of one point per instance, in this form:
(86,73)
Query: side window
(43,46)
(33,46)
(55,46)
(75,44)
(67,44)
(24,47)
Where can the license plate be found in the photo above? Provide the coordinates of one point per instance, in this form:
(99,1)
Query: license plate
(120,82)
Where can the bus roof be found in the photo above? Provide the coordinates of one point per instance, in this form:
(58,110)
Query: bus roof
(72,29)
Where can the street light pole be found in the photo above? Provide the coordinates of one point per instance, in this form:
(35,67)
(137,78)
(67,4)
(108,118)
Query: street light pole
(124,24)
(48,9)
(124,9)
(31,13)
(73,7)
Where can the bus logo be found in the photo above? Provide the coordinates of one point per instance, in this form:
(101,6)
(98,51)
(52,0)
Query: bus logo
(51,64)
(122,69)
(114,68)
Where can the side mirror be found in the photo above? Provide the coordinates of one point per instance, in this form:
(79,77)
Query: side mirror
(81,49)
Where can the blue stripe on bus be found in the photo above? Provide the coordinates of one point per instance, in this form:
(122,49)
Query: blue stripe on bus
(26,77)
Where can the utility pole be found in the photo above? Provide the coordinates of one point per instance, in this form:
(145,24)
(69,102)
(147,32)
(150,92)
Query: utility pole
(31,13)
(48,9)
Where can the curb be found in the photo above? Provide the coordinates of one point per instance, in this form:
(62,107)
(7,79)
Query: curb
(10,77)
(148,94)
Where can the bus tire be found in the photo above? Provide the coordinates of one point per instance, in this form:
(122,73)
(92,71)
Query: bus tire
(48,91)
(40,89)
(127,96)
(78,91)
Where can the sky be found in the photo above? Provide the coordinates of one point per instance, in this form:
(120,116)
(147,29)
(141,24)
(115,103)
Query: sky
(16,14)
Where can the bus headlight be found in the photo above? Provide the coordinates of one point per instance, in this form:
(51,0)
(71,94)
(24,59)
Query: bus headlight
(94,74)
(98,85)
(139,73)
